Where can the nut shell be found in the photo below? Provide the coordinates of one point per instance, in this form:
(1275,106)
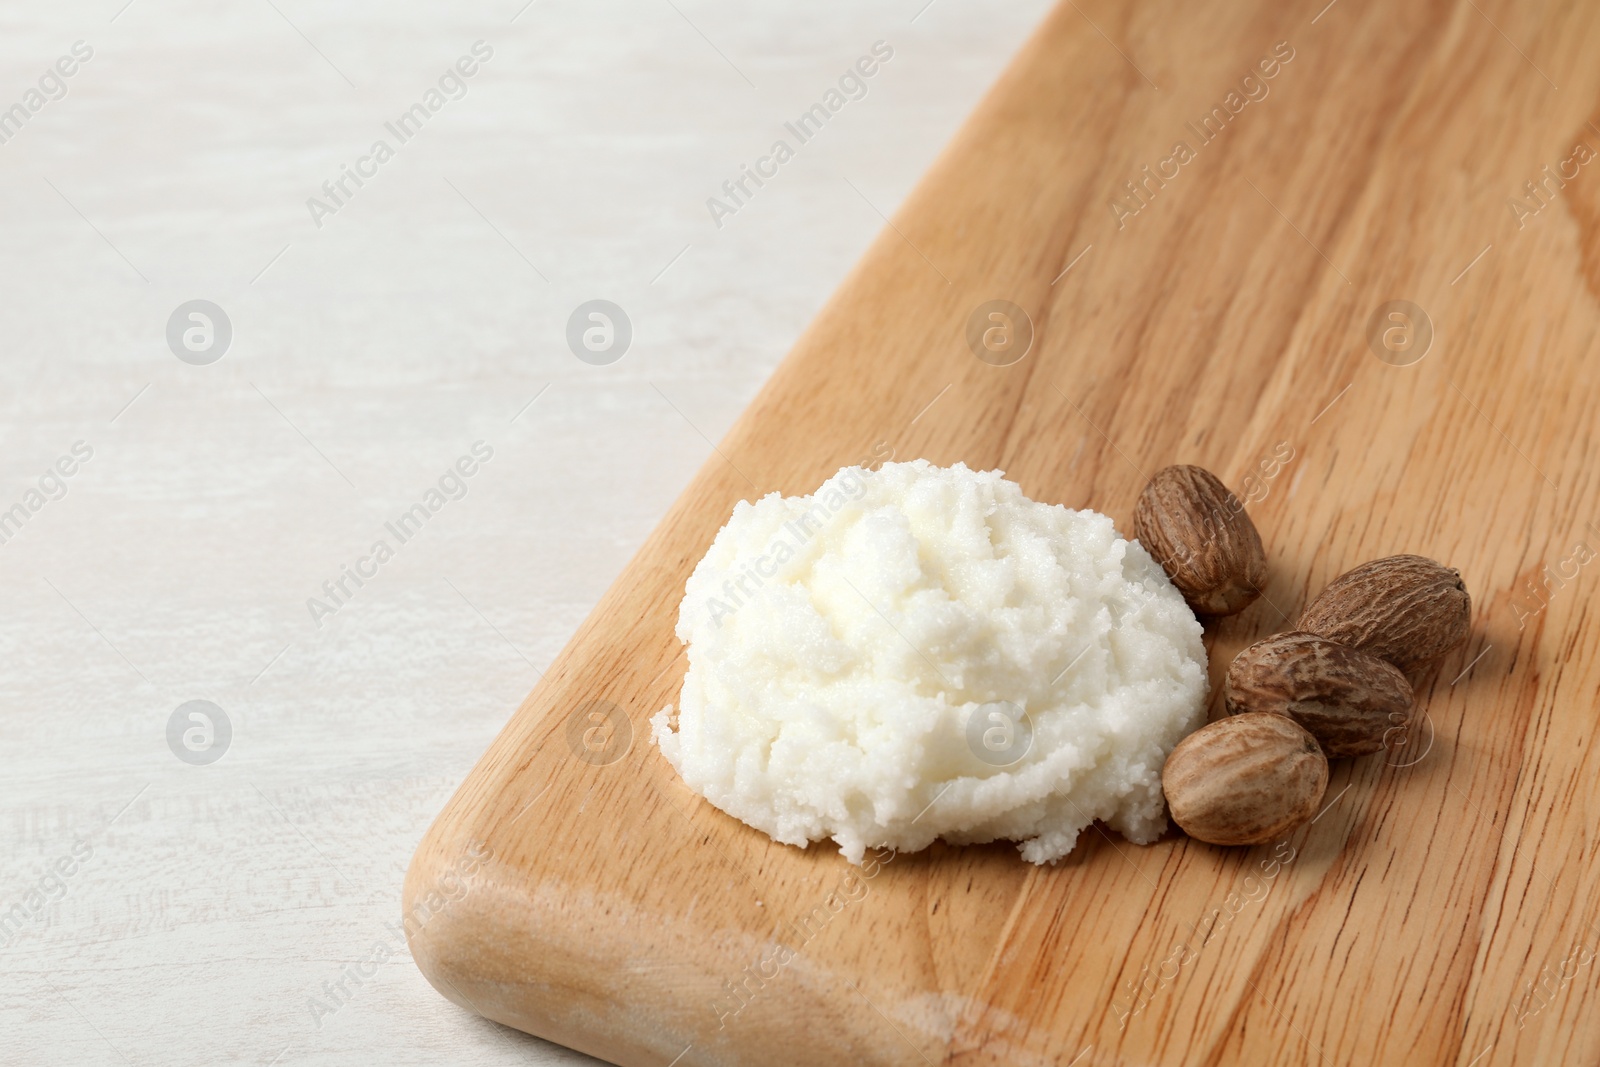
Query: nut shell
(1346,699)
(1409,610)
(1200,534)
(1245,780)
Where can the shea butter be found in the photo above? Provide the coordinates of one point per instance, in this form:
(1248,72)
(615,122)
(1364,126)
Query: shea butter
(920,653)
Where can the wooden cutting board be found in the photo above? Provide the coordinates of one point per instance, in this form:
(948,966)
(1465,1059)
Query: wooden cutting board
(1444,908)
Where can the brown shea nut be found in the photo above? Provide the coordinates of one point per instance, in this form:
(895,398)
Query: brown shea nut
(1409,610)
(1343,697)
(1245,780)
(1198,531)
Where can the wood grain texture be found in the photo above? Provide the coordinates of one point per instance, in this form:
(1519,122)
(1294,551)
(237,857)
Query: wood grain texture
(1225,318)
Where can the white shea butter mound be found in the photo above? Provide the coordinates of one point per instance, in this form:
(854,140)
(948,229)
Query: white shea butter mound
(923,652)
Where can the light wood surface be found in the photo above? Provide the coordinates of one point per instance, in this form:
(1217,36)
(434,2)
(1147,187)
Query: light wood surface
(1222,324)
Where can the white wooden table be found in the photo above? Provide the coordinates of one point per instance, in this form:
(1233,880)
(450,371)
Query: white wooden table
(156,908)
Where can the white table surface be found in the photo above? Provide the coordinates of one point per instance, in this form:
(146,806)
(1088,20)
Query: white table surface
(216,901)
